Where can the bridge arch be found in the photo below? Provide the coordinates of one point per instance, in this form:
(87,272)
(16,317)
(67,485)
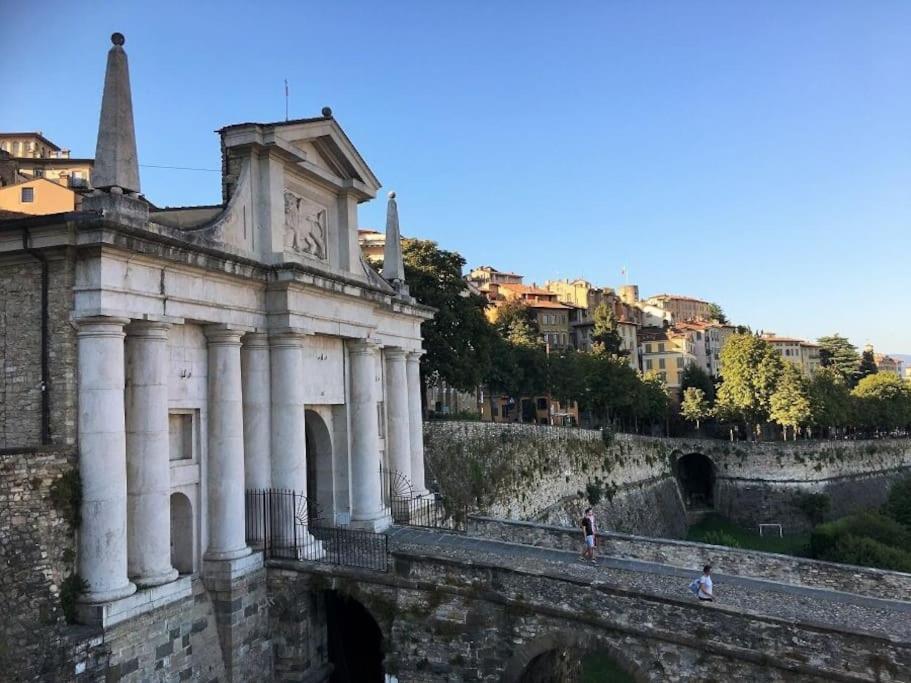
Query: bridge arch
(696,473)
(560,645)
(355,640)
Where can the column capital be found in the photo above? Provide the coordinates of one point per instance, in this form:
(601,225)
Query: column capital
(362,347)
(415,356)
(223,335)
(100,326)
(287,337)
(256,340)
(395,353)
(151,329)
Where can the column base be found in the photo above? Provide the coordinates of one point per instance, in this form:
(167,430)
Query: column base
(220,555)
(119,610)
(96,597)
(380,523)
(312,550)
(155,579)
(217,574)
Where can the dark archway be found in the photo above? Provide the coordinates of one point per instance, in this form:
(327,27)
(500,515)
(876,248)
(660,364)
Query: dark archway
(696,478)
(570,657)
(319,468)
(182,533)
(355,641)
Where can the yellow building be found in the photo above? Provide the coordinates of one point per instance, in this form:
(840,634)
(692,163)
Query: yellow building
(37,197)
(802,354)
(373,244)
(38,157)
(666,352)
(541,410)
(551,316)
(681,308)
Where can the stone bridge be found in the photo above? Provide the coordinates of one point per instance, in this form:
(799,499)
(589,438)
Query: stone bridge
(464,608)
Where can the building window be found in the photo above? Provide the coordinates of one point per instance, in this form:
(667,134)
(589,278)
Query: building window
(660,347)
(180,436)
(648,363)
(648,348)
(28,195)
(679,362)
(39,173)
(661,363)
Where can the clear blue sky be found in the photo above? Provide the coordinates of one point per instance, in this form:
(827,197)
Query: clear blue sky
(757,154)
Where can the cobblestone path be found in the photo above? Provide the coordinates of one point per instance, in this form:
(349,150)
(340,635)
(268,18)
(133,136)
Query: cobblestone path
(846,611)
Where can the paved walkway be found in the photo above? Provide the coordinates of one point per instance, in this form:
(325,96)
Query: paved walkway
(759,596)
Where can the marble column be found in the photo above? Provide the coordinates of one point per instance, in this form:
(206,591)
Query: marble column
(367,510)
(289,436)
(416,422)
(225,475)
(255,378)
(148,462)
(398,436)
(102,459)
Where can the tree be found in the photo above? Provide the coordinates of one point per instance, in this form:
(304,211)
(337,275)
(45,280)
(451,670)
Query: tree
(605,336)
(750,368)
(838,353)
(695,376)
(717,314)
(458,339)
(790,403)
(882,402)
(695,406)
(867,364)
(650,401)
(517,324)
(830,399)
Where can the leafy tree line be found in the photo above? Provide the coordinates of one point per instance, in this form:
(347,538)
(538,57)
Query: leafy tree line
(465,350)
(758,386)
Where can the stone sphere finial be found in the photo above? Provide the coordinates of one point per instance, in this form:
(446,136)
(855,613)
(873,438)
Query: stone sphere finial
(392,195)
(327,112)
(118,39)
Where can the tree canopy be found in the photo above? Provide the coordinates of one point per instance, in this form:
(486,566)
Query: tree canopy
(790,404)
(694,407)
(716,313)
(838,353)
(750,368)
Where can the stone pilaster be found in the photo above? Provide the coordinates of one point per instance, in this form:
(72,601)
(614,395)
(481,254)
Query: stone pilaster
(416,422)
(102,460)
(148,464)
(255,377)
(398,436)
(367,510)
(225,477)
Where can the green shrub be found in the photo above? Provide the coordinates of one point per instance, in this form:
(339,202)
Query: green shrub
(864,525)
(869,553)
(594,492)
(898,507)
(720,538)
(66,495)
(70,589)
(814,506)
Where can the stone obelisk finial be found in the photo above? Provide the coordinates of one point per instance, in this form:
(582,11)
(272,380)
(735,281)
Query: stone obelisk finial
(116,163)
(393,265)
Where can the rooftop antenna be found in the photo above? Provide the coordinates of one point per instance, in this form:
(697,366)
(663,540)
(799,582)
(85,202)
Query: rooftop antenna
(286,99)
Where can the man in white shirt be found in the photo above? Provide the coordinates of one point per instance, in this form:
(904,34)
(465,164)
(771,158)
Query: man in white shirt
(705,585)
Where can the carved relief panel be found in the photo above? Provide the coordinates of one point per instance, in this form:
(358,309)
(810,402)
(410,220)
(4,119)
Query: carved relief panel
(306,226)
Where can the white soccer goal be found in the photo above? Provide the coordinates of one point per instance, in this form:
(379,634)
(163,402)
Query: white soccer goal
(763,527)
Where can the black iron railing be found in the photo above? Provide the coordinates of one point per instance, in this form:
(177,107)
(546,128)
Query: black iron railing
(409,508)
(285,526)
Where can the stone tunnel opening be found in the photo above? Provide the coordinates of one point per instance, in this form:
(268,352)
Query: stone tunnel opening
(355,641)
(570,665)
(696,477)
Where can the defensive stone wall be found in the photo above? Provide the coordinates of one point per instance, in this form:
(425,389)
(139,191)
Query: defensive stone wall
(549,474)
(874,583)
(21,351)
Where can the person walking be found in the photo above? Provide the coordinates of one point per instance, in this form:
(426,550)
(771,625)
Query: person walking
(588,533)
(702,586)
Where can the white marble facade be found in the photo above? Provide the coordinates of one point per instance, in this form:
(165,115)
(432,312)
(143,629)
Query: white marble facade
(215,344)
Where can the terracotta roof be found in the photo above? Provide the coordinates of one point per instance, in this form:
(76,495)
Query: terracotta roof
(784,340)
(527,289)
(679,297)
(546,304)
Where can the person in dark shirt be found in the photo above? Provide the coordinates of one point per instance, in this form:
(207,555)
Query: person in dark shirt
(588,532)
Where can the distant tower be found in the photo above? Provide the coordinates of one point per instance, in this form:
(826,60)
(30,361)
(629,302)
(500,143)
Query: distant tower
(629,294)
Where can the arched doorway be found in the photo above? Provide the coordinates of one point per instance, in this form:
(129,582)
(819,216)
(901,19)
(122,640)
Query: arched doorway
(182,552)
(355,641)
(696,478)
(319,468)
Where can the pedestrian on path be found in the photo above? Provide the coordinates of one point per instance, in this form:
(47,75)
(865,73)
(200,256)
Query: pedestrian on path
(588,533)
(702,586)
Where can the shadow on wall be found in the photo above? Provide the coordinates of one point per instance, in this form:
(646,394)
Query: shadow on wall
(355,641)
